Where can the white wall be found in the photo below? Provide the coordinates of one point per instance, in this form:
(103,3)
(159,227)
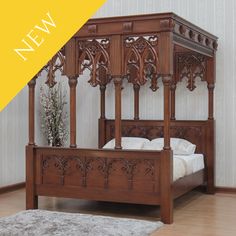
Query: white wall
(13,136)
(217,17)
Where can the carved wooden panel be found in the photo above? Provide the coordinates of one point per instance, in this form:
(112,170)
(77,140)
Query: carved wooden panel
(196,36)
(191,66)
(92,29)
(128,27)
(141,60)
(138,131)
(56,63)
(112,173)
(94,56)
(193,132)
(184,32)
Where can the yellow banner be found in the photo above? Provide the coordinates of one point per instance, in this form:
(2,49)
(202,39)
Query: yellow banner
(31,33)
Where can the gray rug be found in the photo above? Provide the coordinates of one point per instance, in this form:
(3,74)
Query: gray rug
(49,223)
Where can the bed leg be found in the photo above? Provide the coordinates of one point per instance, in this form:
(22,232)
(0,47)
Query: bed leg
(31,197)
(167,212)
(166,203)
(31,202)
(210,190)
(210,187)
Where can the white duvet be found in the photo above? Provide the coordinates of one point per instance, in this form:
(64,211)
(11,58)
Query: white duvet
(187,164)
(179,170)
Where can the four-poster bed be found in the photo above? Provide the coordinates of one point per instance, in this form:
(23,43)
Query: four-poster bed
(143,49)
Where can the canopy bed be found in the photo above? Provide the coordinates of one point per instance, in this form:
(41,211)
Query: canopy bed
(142,49)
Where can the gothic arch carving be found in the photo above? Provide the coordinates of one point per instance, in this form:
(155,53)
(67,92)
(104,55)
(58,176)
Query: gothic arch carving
(94,56)
(141,60)
(56,63)
(190,66)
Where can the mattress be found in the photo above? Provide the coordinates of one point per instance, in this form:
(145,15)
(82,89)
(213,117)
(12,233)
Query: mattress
(187,164)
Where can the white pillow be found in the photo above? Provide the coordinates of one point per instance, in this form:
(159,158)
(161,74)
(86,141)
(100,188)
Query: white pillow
(157,146)
(128,143)
(178,145)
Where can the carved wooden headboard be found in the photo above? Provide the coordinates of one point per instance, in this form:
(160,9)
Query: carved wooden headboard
(193,131)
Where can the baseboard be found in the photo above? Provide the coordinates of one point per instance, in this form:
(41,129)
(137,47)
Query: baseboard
(12,187)
(225,190)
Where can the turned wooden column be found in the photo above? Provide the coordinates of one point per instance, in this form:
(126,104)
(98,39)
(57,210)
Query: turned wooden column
(166,173)
(210,149)
(172,92)
(103,101)
(31,86)
(72,83)
(167,82)
(102,120)
(136,101)
(116,59)
(166,164)
(210,77)
(211,101)
(118,87)
(31,197)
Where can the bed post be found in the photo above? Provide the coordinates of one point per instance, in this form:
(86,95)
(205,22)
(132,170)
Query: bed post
(102,120)
(116,75)
(31,86)
(166,160)
(167,82)
(102,101)
(31,198)
(172,89)
(136,101)
(72,74)
(166,175)
(211,126)
(72,83)
(118,83)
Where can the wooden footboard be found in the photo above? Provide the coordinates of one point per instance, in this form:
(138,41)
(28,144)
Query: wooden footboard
(107,175)
(129,176)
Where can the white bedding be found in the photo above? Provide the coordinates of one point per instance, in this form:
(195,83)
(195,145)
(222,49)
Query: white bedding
(179,170)
(187,164)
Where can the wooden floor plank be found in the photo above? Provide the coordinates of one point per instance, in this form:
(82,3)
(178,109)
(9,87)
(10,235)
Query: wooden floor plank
(195,214)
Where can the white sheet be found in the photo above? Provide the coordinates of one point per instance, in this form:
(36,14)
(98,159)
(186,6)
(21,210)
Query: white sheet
(179,169)
(193,163)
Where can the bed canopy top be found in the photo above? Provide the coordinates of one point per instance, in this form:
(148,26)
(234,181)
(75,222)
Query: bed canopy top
(136,47)
(142,49)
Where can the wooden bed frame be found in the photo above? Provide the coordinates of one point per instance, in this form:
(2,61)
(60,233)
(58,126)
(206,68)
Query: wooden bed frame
(141,49)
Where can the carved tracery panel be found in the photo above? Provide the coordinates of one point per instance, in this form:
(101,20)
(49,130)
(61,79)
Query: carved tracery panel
(57,169)
(194,134)
(190,66)
(94,56)
(56,63)
(141,60)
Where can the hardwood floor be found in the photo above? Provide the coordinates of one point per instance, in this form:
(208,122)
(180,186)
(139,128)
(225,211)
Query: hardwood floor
(195,214)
